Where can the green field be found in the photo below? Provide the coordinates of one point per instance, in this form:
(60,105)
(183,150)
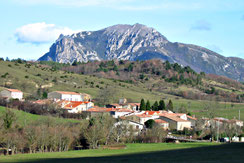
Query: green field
(23,118)
(161,152)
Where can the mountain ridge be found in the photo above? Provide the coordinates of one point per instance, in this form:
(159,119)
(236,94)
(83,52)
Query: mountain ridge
(139,42)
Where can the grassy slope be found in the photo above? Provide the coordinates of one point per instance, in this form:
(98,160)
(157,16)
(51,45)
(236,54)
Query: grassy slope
(27,118)
(131,149)
(134,92)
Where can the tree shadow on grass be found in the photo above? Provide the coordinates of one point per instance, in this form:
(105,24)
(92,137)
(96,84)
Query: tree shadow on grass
(231,153)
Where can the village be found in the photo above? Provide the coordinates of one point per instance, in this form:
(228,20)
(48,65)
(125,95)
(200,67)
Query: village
(131,113)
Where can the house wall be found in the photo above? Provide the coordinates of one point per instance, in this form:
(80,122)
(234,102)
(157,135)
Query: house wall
(172,124)
(164,125)
(17,95)
(5,93)
(182,125)
(54,96)
(116,114)
(68,97)
(14,95)
(136,125)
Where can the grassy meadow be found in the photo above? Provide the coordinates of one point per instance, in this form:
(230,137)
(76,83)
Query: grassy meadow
(154,152)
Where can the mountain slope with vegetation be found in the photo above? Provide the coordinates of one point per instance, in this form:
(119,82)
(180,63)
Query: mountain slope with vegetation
(139,42)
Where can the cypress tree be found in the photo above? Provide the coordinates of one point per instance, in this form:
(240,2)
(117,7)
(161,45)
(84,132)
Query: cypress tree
(170,105)
(155,106)
(148,106)
(142,105)
(161,105)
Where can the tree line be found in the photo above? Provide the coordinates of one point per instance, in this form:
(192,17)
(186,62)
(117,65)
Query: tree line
(48,135)
(156,106)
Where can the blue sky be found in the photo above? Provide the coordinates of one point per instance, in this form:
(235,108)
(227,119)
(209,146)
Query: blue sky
(29,27)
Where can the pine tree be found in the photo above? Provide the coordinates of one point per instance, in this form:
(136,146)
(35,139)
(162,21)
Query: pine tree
(142,105)
(155,106)
(161,105)
(170,105)
(148,106)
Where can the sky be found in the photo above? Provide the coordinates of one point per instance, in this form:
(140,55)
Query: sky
(29,27)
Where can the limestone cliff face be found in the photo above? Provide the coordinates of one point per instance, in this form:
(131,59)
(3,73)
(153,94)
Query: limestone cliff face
(139,42)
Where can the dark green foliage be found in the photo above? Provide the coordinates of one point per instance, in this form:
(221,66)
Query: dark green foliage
(54,65)
(44,95)
(121,62)
(167,65)
(130,68)
(161,105)
(5,75)
(148,106)
(141,76)
(150,123)
(75,63)
(210,91)
(202,73)
(170,106)
(8,119)
(1,59)
(155,106)
(143,105)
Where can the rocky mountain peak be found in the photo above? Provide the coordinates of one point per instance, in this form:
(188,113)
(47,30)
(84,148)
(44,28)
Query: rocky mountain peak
(139,42)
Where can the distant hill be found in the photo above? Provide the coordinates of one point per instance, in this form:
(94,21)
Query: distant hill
(139,42)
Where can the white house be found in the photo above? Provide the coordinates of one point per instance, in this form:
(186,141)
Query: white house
(77,106)
(116,113)
(61,95)
(175,122)
(12,93)
(162,123)
(134,106)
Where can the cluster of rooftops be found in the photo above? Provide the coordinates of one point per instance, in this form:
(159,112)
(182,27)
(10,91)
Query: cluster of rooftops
(75,102)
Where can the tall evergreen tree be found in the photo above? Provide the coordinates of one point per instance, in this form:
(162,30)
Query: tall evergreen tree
(170,105)
(155,106)
(142,105)
(148,106)
(161,105)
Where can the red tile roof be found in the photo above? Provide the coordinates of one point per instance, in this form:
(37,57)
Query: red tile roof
(190,117)
(14,90)
(134,104)
(143,116)
(174,118)
(152,112)
(99,109)
(74,104)
(121,110)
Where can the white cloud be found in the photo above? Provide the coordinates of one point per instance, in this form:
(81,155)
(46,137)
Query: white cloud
(40,33)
